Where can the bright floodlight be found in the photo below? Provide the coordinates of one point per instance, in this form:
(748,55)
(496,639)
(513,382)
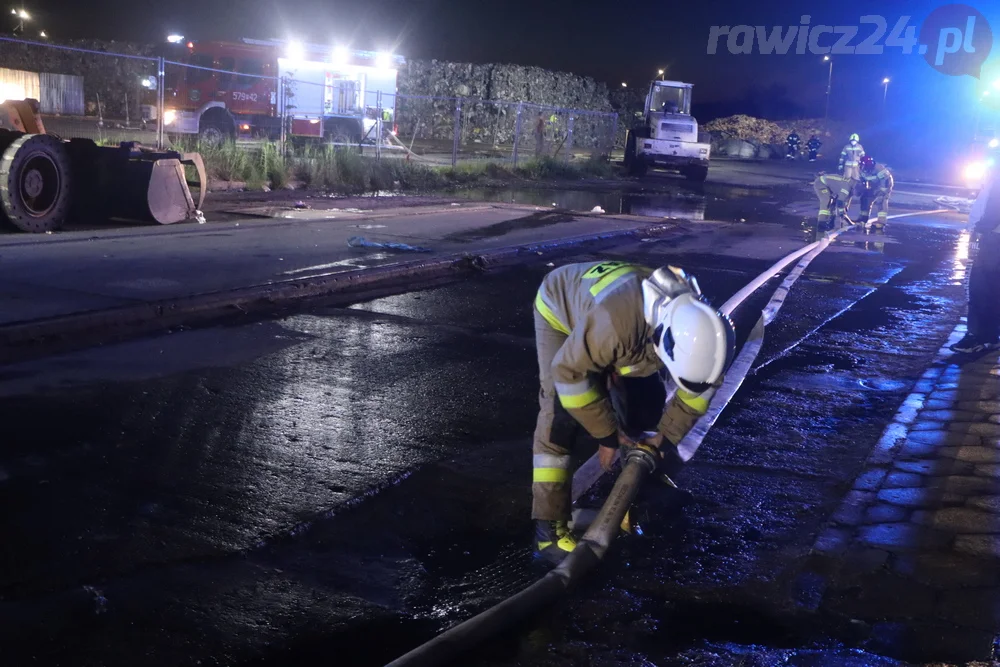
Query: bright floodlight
(624,85)
(23,15)
(383,60)
(296,51)
(42,34)
(885,80)
(826,58)
(661,72)
(175,39)
(340,55)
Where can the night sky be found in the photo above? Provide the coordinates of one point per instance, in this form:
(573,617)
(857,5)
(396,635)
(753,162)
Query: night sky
(612,41)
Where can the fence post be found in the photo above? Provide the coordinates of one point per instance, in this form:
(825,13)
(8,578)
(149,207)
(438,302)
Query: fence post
(569,137)
(378,125)
(614,135)
(458,131)
(281,112)
(160,103)
(517,130)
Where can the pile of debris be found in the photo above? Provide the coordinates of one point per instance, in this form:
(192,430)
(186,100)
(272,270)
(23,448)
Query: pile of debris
(749,137)
(491,97)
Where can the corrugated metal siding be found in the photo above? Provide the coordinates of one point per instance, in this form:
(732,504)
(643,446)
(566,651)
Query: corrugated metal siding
(61,94)
(16,85)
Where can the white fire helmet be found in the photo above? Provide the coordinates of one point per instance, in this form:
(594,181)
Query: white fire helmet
(695,342)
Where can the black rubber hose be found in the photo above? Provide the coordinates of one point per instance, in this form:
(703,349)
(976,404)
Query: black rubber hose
(588,553)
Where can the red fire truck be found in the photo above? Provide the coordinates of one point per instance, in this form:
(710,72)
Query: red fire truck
(223,91)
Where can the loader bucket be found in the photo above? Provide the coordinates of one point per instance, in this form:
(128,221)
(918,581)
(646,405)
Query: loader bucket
(167,195)
(132,182)
(155,188)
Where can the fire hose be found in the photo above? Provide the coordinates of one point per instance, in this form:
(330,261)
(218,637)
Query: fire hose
(638,463)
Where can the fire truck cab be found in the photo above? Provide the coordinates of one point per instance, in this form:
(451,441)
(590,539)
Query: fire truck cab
(223,91)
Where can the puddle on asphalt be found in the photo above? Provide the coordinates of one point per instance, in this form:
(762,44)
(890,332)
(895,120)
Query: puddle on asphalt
(689,202)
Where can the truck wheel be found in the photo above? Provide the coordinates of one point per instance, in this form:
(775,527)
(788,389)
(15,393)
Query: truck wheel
(343,137)
(698,174)
(213,134)
(36,183)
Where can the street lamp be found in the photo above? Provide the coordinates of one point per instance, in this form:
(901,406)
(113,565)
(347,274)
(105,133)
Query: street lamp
(885,91)
(21,16)
(624,85)
(175,39)
(829,83)
(662,72)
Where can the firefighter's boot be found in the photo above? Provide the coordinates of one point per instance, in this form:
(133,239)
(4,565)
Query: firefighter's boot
(553,540)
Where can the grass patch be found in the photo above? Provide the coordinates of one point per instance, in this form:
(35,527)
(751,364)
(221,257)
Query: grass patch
(348,172)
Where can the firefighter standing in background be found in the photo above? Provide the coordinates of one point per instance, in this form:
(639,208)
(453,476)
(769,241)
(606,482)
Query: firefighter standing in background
(792,142)
(539,135)
(984,307)
(834,195)
(876,183)
(813,146)
(850,158)
(613,323)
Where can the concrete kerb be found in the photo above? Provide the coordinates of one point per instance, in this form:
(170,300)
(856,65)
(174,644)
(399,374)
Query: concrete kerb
(19,339)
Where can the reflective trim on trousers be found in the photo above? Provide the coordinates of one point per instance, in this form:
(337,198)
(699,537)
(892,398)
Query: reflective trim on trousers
(551,461)
(550,475)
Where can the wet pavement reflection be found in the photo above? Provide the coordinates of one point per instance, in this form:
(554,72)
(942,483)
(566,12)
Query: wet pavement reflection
(344,483)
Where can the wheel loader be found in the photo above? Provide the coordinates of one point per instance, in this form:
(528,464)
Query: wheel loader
(46,180)
(667,137)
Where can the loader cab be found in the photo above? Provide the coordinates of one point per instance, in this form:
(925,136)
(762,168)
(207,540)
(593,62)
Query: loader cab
(668,112)
(669,97)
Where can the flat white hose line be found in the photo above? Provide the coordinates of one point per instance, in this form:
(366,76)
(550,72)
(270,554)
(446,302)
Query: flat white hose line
(588,473)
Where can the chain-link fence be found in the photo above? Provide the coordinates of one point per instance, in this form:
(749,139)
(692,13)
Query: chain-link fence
(450,130)
(209,98)
(105,96)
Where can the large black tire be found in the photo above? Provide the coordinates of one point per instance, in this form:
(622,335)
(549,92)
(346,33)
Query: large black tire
(342,136)
(213,134)
(698,173)
(36,183)
(633,164)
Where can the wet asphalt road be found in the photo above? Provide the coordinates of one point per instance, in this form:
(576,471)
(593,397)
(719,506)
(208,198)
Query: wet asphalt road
(339,485)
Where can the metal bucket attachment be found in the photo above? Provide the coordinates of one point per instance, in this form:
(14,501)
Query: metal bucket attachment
(194,160)
(168,197)
(132,182)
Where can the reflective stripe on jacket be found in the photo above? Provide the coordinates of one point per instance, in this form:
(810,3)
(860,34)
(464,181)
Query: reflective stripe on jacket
(851,155)
(598,306)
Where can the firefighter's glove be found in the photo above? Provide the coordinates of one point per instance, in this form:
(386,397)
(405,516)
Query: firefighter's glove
(608,447)
(670,461)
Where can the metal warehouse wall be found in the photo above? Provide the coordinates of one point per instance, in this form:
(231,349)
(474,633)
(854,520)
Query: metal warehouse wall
(61,94)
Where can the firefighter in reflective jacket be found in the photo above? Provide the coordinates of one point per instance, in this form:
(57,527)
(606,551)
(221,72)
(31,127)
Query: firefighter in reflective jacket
(876,183)
(604,332)
(834,195)
(850,157)
(813,145)
(792,146)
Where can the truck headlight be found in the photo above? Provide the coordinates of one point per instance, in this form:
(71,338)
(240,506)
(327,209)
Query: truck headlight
(975,171)
(169,116)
